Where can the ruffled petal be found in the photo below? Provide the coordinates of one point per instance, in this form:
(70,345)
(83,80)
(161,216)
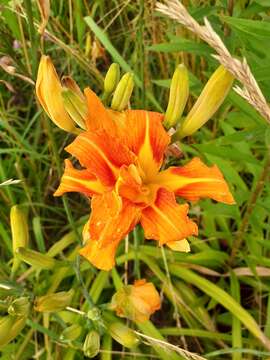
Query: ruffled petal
(196,180)
(101,154)
(78,181)
(167,221)
(146,137)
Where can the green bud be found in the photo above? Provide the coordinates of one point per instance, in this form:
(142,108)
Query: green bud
(123,92)
(94,314)
(210,99)
(19,231)
(54,302)
(179,92)
(112,78)
(123,335)
(75,106)
(19,307)
(10,327)
(35,258)
(91,344)
(71,333)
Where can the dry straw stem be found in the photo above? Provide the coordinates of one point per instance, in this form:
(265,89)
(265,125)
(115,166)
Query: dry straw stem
(240,69)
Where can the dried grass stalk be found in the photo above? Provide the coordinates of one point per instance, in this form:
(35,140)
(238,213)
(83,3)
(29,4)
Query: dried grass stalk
(240,69)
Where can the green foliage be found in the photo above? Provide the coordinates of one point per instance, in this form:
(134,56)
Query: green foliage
(214,304)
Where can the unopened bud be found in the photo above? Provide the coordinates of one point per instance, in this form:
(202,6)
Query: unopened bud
(19,307)
(54,302)
(91,344)
(75,106)
(94,314)
(35,258)
(71,333)
(212,96)
(123,92)
(19,231)
(112,78)
(10,327)
(123,335)
(179,92)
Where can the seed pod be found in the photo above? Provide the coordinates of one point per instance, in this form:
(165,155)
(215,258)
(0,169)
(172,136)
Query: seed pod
(35,258)
(123,92)
(19,231)
(71,333)
(179,92)
(10,327)
(75,106)
(212,96)
(123,335)
(54,302)
(91,344)
(112,78)
(19,307)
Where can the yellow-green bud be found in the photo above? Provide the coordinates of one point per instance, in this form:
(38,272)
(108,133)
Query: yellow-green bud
(75,106)
(54,302)
(94,314)
(91,344)
(123,92)
(179,92)
(112,78)
(19,231)
(35,258)
(71,333)
(19,307)
(10,327)
(212,96)
(123,334)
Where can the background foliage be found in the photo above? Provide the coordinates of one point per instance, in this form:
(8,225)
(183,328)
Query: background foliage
(210,298)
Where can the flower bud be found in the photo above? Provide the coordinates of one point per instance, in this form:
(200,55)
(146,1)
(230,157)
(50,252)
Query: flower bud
(54,302)
(91,344)
(136,302)
(10,327)
(112,78)
(75,106)
(71,333)
(123,335)
(49,94)
(179,92)
(123,92)
(35,258)
(212,96)
(19,231)
(94,314)
(19,307)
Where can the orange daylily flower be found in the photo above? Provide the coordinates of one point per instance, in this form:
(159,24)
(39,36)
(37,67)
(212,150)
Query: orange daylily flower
(136,302)
(121,154)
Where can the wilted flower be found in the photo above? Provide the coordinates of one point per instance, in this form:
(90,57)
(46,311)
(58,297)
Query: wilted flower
(136,302)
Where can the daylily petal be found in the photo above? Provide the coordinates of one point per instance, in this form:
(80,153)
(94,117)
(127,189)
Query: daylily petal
(180,245)
(167,221)
(129,186)
(195,180)
(146,137)
(82,181)
(98,116)
(110,220)
(101,154)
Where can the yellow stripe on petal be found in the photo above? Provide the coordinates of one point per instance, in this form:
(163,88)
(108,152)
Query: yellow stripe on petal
(146,137)
(167,221)
(78,181)
(196,180)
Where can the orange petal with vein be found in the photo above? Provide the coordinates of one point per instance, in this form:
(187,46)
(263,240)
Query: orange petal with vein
(166,220)
(101,154)
(98,116)
(146,137)
(82,181)
(196,180)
